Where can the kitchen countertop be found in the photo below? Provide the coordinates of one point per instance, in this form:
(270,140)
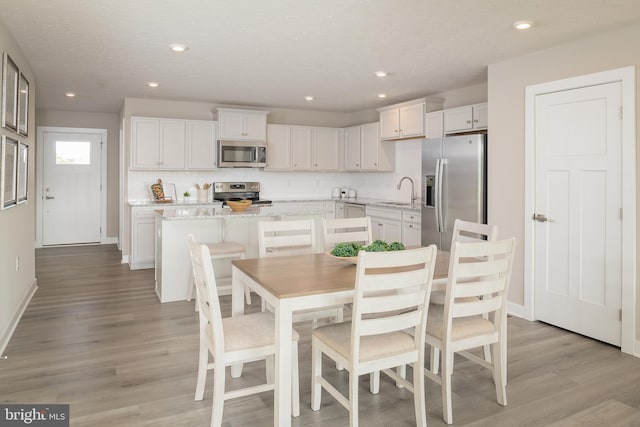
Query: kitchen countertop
(186,213)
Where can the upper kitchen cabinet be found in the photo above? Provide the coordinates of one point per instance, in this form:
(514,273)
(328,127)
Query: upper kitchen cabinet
(364,151)
(326,149)
(278,148)
(464,119)
(404,120)
(301,148)
(433,125)
(157,143)
(201,144)
(242,125)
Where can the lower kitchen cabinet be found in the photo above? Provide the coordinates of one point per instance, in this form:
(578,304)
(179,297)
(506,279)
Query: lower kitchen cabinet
(411,228)
(386,224)
(143,228)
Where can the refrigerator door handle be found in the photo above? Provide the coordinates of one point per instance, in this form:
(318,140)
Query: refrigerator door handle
(440,207)
(437,196)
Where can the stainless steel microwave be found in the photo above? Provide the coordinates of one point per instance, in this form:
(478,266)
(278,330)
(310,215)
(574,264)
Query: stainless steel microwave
(242,154)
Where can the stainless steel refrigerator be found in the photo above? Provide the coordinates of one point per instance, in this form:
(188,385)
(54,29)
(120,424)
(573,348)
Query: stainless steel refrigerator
(454,183)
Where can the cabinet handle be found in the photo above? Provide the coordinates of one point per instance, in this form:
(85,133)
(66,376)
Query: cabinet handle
(468,122)
(357,164)
(475,121)
(375,164)
(315,165)
(379,225)
(396,131)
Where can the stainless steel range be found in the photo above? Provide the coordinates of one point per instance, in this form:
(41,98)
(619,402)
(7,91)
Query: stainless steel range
(223,191)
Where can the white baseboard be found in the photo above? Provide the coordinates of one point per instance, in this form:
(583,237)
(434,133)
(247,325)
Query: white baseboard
(125,259)
(110,241)
(636,349)
(8,333)
(518,310)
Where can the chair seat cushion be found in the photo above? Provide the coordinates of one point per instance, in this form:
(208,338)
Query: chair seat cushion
(250,331)
(226,248)
(462,327)
(338,337)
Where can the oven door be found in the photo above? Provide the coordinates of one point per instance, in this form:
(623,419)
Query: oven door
(241,154)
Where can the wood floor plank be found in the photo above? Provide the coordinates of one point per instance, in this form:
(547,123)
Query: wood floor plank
(96,337)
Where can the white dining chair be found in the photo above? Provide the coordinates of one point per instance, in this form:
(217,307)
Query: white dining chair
(474,313)
(341,230)
(232,340)
(386,331)
(294,237)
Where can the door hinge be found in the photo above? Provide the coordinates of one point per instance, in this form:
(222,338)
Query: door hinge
(620,214)
(620,315)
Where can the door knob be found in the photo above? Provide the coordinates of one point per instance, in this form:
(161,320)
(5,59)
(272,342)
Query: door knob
(539,217)
(49,197)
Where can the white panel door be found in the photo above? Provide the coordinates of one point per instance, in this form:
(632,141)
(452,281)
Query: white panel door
(71,188)
(578,200)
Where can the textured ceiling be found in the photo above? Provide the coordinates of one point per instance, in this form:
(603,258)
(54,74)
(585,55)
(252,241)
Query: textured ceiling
(274,52)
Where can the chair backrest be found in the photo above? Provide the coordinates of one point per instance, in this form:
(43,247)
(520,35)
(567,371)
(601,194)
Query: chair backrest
(207,297)
(465,231)
(276,238)
(342,230)
(478,281)
(392,294)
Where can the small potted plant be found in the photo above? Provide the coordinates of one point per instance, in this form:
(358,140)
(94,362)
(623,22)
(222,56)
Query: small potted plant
(186,195)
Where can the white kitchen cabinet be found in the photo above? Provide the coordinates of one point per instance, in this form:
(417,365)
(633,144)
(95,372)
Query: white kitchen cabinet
(434,124)
(386,224)
(411,228)
(404,120)
(339,210)
(326,148)
(465,119)
(278,147)
(242,125)
(301,148)
(143,228)
(364,151)
(201,144)
(157,143)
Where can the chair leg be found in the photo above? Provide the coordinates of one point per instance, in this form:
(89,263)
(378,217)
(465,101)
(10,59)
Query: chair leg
(295,381)
(339,319)
(203,361)
(434,360)
(374,382)
(218,395)
(247,295)
(419,394)
(487,352)
(499,373)
(316,372)
(353,399)
(447,368)
(270,365)
(402,372)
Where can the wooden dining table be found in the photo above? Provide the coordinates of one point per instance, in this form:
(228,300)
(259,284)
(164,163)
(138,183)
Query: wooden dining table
(293,283)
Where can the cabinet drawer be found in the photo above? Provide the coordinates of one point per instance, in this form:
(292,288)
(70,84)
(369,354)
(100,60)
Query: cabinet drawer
(411,216)
(395,214)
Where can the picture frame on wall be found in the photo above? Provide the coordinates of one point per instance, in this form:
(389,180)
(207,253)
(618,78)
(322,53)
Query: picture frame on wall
(23,106)
(9,93)
(9,177)
(22,172)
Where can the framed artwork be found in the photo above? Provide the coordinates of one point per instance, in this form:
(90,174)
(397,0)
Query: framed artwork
(22,172)
(23,105)
(9,93)
(8,180)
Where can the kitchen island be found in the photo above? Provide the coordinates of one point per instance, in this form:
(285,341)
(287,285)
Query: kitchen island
(211,225)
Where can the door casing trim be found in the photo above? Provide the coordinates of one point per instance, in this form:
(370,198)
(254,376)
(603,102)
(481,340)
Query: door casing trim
(41,130)
(626,76)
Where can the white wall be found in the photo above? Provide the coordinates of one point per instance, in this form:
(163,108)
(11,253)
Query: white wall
(17,224)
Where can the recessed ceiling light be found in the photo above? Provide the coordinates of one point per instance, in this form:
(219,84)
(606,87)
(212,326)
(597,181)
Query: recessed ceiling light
(381,74)
(382,95)
(153,84)
(70,95)
(178,47)
(309,98)
(522,25)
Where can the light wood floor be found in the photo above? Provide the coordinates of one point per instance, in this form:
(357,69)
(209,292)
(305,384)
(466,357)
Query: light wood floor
(96,337)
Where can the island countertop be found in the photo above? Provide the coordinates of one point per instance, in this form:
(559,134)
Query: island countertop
(290,209)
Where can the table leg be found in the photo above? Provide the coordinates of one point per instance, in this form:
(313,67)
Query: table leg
(284,330)
(237,308)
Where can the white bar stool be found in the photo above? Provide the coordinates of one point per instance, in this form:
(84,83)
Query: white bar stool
(223,250)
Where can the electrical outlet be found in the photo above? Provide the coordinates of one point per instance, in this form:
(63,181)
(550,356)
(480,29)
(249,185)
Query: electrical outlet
(17,263)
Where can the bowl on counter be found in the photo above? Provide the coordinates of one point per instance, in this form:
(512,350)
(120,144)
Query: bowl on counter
(239,205)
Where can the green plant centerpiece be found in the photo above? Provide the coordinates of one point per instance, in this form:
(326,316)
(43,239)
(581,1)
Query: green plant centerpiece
(351,249)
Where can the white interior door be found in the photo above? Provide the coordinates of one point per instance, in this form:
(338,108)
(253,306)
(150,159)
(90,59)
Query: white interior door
(71,186)
(578,202)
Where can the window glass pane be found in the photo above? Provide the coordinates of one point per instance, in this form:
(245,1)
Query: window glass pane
(73,152)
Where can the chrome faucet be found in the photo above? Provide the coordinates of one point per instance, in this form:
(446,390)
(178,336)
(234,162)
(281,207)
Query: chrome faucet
(413,193)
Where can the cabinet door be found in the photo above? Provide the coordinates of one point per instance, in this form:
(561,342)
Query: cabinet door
(326,149)
(386,229)
(480,117)
(352,148)
(231,124)
(143,239)
(278,147)
(370,146)
(173,144)
(433,125)
(458,119)
(411,235)
(201,144)
(339,211)
(412,120)
(255,126)
(300,148)
(145,143)
(389,124)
